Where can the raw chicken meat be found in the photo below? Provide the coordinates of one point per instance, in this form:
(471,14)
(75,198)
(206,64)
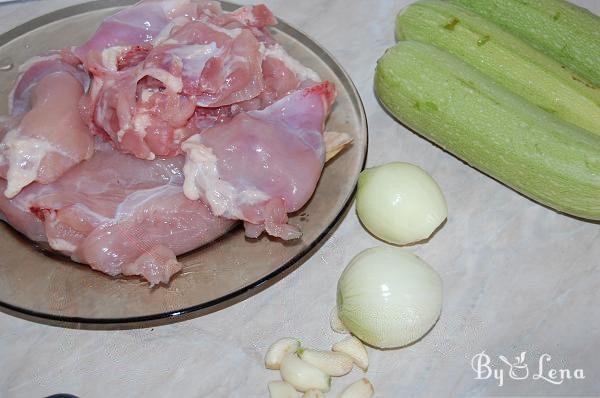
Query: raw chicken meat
(263,164)
(183,68)
(45,135)
(119,214)
(200,118)
(150,21)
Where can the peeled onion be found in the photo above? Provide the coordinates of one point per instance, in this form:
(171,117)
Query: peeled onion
(389,297)
(400,203)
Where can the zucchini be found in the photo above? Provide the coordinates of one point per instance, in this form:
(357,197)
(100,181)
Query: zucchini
(491,128)
(564,31)
(505,58)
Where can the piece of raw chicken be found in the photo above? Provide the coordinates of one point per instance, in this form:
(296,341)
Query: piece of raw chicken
(44,135)
(262,165)
(119,214)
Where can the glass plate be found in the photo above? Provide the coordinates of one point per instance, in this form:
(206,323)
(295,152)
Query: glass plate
(37,284)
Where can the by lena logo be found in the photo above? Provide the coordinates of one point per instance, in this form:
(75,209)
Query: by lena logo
(518,369)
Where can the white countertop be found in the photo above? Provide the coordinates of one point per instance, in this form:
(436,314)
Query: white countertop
(517,277)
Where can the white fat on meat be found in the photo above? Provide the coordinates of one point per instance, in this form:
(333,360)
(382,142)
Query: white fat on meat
(141,122)
(202,180)
(147,92)
(195,57)
(62,246)
(233,33)
(171,82)
(180,134)
(110,57)
(24,156)
(302,72)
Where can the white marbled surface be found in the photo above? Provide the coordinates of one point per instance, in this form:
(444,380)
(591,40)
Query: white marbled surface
(517,277)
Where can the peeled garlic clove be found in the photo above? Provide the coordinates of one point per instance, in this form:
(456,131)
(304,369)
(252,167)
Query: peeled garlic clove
(302,375)
(333,363)
(313,394)
(279,350)
(354,348)
(360,389)
(281,389)
(336,323)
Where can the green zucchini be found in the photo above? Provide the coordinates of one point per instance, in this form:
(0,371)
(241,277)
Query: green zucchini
(564,31)
(491,128)
(505,58)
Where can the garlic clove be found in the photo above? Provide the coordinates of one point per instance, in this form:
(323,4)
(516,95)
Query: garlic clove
(279,350)
(303,376)
(281,389)
(333,363)
(336,323)
(313,394)
(359,389)
(354,348)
